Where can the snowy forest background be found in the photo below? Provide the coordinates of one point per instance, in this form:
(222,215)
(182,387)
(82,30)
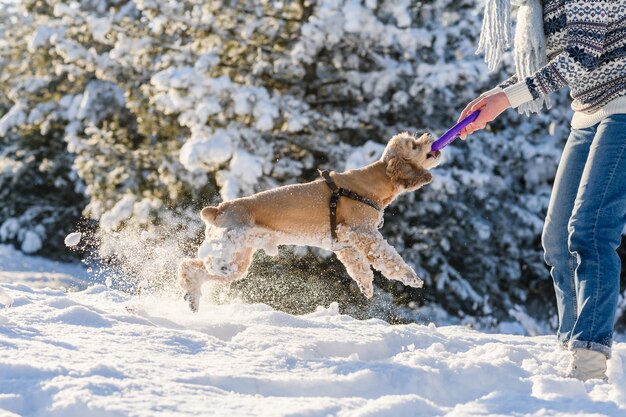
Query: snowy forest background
(122,118)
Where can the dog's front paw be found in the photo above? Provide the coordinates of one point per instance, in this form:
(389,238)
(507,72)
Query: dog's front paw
(419,283)
(367,291)
(412,280)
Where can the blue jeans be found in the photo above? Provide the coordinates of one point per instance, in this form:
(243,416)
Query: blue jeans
(582,231)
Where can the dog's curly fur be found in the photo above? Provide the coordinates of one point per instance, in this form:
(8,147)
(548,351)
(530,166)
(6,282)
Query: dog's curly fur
(298,214)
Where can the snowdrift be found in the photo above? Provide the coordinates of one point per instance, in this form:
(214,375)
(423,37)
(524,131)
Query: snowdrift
(99,352)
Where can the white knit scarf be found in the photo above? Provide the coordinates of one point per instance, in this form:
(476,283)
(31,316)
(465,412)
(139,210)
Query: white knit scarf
(529,45)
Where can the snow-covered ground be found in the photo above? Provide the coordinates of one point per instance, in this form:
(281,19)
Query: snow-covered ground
(84,354)
(34,271)
(100,352)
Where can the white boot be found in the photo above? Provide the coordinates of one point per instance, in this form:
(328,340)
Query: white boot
(587,364)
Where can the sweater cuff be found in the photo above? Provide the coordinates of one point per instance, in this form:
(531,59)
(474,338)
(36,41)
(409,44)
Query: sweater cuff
(491,92)
(518,94)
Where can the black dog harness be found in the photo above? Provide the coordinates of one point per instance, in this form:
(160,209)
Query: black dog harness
(337,192)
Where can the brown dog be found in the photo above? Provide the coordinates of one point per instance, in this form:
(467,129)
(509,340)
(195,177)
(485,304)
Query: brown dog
(299,215)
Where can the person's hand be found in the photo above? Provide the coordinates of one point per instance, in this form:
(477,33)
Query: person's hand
(490,107)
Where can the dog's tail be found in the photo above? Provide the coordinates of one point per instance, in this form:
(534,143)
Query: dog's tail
(208,214)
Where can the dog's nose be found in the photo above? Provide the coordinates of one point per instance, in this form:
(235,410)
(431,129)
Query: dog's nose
(432,154)
(224,268)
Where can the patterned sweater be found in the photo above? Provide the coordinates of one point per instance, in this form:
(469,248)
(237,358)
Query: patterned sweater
(586,47)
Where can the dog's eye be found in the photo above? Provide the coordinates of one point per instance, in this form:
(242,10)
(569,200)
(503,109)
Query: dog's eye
(415,146)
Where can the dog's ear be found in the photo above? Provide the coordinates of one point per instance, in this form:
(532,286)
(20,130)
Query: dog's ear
(409,176)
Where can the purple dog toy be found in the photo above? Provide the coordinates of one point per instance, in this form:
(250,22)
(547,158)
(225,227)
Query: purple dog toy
(449,137)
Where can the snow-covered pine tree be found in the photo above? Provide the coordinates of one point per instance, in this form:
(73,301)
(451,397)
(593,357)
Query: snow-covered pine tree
(167,106)
(38,188)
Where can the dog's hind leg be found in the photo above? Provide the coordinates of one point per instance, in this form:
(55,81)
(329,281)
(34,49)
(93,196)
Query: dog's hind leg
(191,275)
(358,268)
(380,254)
